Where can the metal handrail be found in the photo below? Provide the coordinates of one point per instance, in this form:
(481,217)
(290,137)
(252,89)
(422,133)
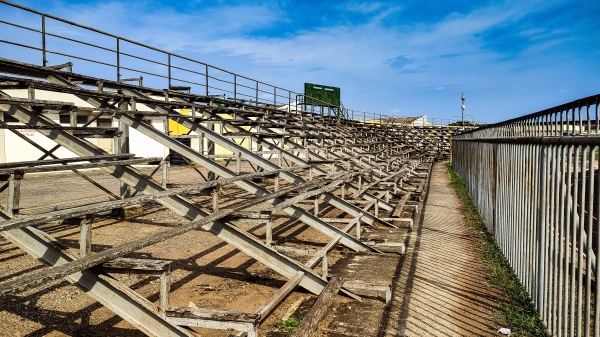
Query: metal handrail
(232,86)
(549,122)
(535,181)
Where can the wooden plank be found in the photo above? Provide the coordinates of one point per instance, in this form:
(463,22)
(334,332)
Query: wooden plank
(319,309)
(109,205)
(56,126)
(404,171)
(126,263)
(322,161)
(400,206)
(331,186)
(33,163)
(329,246)
(165,290)
(249,329)
(250,215)
(296,251)
(14,195)
(213,314)
(278,296)
(56,168)
(88,92)
(85,236)
(36,102)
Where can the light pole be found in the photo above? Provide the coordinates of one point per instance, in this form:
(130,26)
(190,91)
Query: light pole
(463,109)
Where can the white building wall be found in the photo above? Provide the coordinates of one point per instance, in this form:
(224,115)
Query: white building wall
(143,146)
(15,149)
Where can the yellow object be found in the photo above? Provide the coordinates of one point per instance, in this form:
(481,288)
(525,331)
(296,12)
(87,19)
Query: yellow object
(176,129)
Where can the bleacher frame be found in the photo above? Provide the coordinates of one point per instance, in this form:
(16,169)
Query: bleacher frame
(368,169)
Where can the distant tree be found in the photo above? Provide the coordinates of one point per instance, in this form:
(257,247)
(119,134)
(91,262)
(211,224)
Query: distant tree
(465,123)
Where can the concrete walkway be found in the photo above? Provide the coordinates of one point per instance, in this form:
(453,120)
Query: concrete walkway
(442,288)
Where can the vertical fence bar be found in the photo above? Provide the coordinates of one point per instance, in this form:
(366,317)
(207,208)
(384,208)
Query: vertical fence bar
(590,222)
(597,115)
(563,242)
(44,60)
(574,220)
(118,59)
(169,70)
(256,94)
(580,119)
(581,225)
(597,228)
(541,235)
(552,293)
(206,78)
(557,228)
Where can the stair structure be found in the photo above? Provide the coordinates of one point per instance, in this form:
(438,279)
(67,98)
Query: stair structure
(358,185)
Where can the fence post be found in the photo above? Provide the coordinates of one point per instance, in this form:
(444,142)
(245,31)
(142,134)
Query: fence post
(14,192)
(541,231)
(206,78)
(169,66)
(494,184)
(118,59)
(256,103)
(44,61)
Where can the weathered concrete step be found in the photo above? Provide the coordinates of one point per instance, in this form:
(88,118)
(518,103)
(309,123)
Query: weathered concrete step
(367,271)
(371,276)
(388,240)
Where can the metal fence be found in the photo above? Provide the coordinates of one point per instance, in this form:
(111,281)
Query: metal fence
(535,181)
(32,36)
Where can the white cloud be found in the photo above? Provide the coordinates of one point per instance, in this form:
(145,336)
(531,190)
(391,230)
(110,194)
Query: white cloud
(169,28)
(363,7)
(359,58)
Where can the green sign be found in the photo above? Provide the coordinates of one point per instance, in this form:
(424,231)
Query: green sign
(317,94)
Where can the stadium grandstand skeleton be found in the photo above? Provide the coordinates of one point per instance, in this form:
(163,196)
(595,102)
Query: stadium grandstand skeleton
(380,176)
(262,163)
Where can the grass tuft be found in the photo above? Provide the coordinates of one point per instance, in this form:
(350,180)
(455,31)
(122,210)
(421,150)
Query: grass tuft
(517,312)
(288,325)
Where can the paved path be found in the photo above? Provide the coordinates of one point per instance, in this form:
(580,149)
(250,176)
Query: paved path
(442,288)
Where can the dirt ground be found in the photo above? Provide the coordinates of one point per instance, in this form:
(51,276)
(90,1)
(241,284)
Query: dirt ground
(207,272)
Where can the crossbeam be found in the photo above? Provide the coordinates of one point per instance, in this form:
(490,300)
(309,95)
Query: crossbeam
(118,299)
(221,229)
(44,276)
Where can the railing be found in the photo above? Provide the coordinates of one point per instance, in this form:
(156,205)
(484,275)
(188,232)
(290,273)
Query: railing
(433,121)
(35,37)
(535,182)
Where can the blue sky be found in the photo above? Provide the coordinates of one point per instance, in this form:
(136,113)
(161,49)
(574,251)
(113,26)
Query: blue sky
(393,57)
